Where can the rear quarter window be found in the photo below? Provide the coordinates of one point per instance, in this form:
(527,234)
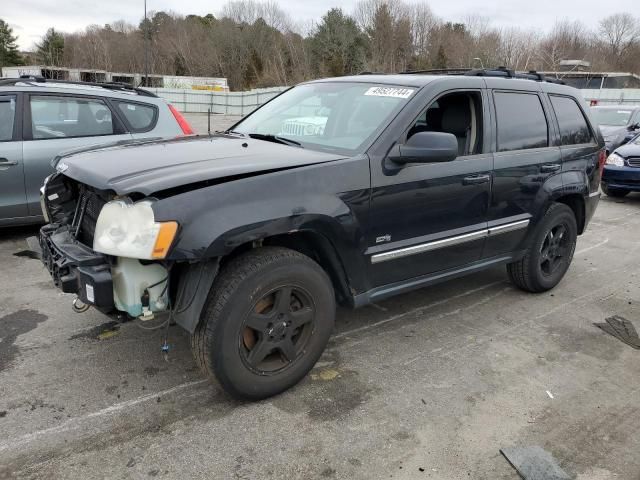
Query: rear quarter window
(574,129)
(139,117)
(522,123)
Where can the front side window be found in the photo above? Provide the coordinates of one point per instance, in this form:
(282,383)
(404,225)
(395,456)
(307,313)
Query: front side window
(573,126)
(7,117)
(68,117)
(521,121)
(457,113)
(343,117)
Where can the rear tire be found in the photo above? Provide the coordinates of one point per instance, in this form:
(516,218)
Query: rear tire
(266,322)
(614,192)
(550,254)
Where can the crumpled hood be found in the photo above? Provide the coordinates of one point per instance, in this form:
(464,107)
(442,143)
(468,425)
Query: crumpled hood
(153,166)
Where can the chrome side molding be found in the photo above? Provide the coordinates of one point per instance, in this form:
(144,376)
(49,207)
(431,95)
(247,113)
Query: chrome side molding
(448,242)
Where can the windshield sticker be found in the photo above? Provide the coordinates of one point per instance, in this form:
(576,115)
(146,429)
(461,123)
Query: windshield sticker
(390,92)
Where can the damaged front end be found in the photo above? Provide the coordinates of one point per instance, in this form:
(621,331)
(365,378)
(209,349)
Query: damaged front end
(107,250)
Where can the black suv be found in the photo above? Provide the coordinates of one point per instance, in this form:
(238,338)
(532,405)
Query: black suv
(345,190)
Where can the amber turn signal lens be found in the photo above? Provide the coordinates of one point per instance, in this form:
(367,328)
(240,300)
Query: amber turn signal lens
(164,239)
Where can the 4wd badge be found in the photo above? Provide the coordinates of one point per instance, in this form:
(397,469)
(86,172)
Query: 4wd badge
(383,238)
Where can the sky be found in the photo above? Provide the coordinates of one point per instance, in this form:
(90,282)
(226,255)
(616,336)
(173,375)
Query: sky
(31,18)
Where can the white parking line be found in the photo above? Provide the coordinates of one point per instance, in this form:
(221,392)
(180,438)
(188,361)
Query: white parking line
(75,423)
(604,242)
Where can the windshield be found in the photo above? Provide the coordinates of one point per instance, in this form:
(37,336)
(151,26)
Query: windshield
(342,117)
(612,116)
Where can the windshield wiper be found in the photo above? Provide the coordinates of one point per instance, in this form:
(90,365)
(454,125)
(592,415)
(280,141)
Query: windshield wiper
(275,139)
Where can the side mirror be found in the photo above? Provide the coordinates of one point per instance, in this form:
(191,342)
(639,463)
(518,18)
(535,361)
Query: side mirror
(426,147)
(633,127)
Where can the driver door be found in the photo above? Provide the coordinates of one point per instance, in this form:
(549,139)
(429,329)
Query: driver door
(432,217)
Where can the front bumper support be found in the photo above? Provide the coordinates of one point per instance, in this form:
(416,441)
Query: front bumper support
(75,268)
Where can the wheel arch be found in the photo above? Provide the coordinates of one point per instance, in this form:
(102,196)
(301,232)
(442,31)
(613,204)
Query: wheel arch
(312,244)
(576,203)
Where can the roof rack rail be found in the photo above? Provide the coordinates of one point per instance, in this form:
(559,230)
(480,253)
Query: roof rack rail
(108,85)
(502,72)
(437,71)
(371,73)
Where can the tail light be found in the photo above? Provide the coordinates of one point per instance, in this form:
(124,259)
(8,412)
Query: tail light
(602,158)
(593,103)
(184,125)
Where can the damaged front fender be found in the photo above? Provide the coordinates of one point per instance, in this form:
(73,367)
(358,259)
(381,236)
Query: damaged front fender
(194,284)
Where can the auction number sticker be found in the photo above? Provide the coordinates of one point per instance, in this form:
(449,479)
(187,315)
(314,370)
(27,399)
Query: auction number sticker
(390,92)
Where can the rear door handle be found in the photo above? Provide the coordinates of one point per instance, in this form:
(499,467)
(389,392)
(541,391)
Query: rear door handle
(476,179)
(549,168)
(6,162)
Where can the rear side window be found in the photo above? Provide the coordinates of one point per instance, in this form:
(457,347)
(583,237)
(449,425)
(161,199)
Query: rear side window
(7,117)
(141,118)
(68,117)
(573,126)
(521,121)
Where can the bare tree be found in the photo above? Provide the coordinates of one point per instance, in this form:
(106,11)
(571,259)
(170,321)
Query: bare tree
(621,32)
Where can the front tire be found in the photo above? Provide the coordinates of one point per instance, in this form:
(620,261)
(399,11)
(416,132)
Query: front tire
(614,192)
(266,322)
(550,254)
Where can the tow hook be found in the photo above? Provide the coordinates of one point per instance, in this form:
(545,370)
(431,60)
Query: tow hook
(79,306)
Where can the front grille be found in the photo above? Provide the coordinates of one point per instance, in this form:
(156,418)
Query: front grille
(634,162)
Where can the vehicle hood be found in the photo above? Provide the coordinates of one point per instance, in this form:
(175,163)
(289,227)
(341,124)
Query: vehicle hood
(152,166)
(628,150)
(611,131)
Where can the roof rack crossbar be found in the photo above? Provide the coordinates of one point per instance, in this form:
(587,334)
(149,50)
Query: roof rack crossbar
(107,85)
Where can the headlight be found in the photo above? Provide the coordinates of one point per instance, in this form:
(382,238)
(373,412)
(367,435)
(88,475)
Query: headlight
(615,159)
(126,229)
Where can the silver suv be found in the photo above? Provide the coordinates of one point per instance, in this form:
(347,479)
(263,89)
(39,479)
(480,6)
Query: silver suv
(41,119)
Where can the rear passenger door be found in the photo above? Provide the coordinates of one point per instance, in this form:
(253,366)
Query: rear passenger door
(12,196)
(524,159)
(54,124)
(578,145)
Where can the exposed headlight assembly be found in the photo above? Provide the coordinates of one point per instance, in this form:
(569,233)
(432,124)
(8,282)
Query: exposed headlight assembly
(615,159)
(127,229)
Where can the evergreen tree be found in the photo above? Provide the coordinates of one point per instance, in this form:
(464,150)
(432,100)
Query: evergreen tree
(441,58)
(339,45)
(51,49)
(9,54)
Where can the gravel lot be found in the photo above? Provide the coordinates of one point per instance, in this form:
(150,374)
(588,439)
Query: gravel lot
(430,384)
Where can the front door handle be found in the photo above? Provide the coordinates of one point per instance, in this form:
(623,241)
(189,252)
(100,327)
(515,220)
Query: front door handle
(5,162)
(550,168)
(476,179)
